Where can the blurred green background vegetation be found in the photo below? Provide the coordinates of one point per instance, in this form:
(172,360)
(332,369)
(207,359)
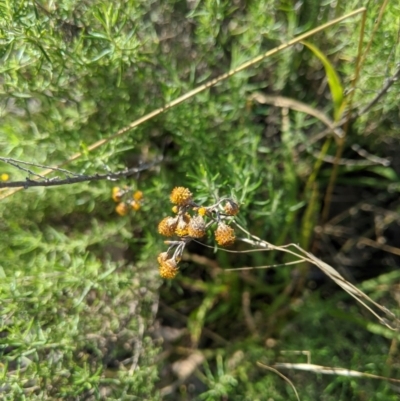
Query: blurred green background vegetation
(84,314)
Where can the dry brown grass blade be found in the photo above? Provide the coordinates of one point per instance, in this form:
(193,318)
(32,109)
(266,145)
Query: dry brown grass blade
(281,101)
(377,245)
(376,26)
(261,365)
(390,320)
(352,290)
(193,93)
(295,262)
(327,370)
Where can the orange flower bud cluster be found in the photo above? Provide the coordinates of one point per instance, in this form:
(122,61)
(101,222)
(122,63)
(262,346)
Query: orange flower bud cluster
(126,200)
(191,222)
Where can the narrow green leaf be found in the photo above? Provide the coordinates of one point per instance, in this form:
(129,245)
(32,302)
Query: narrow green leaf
(21,95)
(101,55)
(335,85)
(97,35)
(385,172)
(44,53)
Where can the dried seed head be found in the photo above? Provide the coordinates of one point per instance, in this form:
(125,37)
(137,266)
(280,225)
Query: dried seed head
(167,226)
(182,227)
(202,211)
(224,235)
(197,227)
(135,205)
(180,196)
(168,269)
(122,209)
(117,194)
(231,208)
(138,195)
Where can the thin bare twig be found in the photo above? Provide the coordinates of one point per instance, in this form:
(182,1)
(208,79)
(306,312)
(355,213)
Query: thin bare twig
(16,163)
(371,160)
(51,182)
(389,82)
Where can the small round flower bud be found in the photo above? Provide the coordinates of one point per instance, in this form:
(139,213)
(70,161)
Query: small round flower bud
(197,227)
(167,226)
(122,209)
(224,235)
(117,194)
(180,196)
(231,208)
(202,211)
(138,195)
(135,205)
(162,257)
(168,269)
(175,209)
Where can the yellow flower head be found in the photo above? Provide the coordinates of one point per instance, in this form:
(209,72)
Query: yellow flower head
(167,226)
(180,196)
(224,235)
(4,177)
